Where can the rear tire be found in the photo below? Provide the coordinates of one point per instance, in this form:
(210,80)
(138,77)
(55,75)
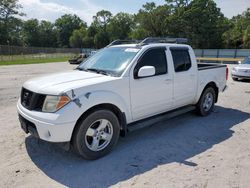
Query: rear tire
(206,103)
(96,135)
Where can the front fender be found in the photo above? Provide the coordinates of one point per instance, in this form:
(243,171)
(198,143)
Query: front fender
(88,100)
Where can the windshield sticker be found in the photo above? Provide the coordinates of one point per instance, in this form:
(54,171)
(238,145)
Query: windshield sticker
(132,50)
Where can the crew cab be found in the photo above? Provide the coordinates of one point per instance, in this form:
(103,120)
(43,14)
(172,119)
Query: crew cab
(90,107)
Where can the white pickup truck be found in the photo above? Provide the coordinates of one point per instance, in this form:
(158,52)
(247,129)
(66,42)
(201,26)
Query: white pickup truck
(90,107)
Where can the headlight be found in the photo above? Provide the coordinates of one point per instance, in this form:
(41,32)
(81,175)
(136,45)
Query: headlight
(54,103)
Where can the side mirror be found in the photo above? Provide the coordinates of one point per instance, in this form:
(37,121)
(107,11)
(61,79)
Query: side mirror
(146,71)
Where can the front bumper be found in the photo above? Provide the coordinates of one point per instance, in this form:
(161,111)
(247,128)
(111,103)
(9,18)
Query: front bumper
(240,74)
(48,129)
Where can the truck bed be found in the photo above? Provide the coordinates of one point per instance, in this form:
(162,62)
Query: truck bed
(205,66)
(212,72)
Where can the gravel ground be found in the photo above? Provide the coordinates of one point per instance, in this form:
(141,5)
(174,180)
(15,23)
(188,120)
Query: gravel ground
(187,151)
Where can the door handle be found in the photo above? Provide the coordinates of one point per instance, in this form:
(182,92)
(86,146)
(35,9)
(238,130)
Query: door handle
(168,80)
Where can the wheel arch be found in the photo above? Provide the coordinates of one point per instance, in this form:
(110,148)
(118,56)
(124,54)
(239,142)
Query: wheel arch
(107,106)
(216,89)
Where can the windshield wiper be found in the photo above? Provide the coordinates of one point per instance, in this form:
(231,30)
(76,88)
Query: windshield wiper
(98,71)
(79,68)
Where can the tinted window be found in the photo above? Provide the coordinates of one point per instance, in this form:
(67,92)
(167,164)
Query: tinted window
(154,57)
(181,59)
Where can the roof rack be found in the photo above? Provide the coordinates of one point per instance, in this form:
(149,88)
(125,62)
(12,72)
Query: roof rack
(150,40)
(118,41)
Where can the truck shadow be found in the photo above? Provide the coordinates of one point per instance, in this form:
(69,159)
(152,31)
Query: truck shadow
(174,140)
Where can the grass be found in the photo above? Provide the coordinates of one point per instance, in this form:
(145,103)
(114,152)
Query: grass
(34,61)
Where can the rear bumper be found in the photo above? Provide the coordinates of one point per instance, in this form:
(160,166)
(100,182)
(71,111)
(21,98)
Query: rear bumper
(45,130)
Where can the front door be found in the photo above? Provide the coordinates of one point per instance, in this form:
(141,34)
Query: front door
(151,95)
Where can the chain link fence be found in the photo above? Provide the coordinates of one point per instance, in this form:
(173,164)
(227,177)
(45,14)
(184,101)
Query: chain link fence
(10,53)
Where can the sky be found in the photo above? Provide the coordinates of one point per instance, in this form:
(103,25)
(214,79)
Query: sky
(86,9)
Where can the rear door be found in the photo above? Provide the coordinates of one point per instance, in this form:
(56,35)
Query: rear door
(185,77)
(151,95)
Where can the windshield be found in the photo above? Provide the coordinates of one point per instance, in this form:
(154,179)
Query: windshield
(110,61)
(246,61)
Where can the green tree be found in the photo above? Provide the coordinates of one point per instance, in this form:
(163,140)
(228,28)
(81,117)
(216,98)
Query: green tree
(178,3)
(102,18)
(31,33)
(152,21)
(88,42)
(65,26)
(47,34)
(98,29)
(10,25)
(246,37)
(205,24)
(101,39)
(237,36)
(76,40)
(120,26)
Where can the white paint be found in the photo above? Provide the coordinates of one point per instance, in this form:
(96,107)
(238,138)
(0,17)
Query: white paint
(136,98)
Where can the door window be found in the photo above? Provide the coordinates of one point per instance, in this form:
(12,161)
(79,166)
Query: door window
(154,57)
(181,59)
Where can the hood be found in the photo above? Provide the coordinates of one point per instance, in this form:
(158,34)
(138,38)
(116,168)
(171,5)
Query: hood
(243,66)
(56,84)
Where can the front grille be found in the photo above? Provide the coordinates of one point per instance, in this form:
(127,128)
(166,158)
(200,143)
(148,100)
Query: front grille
(26,97)
(32,100)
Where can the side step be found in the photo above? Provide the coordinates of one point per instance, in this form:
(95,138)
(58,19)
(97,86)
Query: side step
(159,118)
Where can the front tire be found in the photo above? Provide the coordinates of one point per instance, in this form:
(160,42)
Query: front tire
(206,103)
(96,135)
(235,79)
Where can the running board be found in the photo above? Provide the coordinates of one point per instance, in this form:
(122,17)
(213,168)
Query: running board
(159,118)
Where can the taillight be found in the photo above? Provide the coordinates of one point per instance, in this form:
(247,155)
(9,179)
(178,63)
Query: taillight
(227,73)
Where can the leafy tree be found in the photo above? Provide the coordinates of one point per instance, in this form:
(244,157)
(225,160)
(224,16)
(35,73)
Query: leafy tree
(88,42)
(237,36)
(246,37)
(120,26)
(178,3)
(138,33)
(40,34)
(102,18)
(152,20)
(201,21)
(9,24)
(31,33)
(47,34)
(76,40)
(65,26)
(205,24)
(92,30)
(99,28)
(101,39)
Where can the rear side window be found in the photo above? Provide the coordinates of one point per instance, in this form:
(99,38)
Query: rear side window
(154,57)
(181,58)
